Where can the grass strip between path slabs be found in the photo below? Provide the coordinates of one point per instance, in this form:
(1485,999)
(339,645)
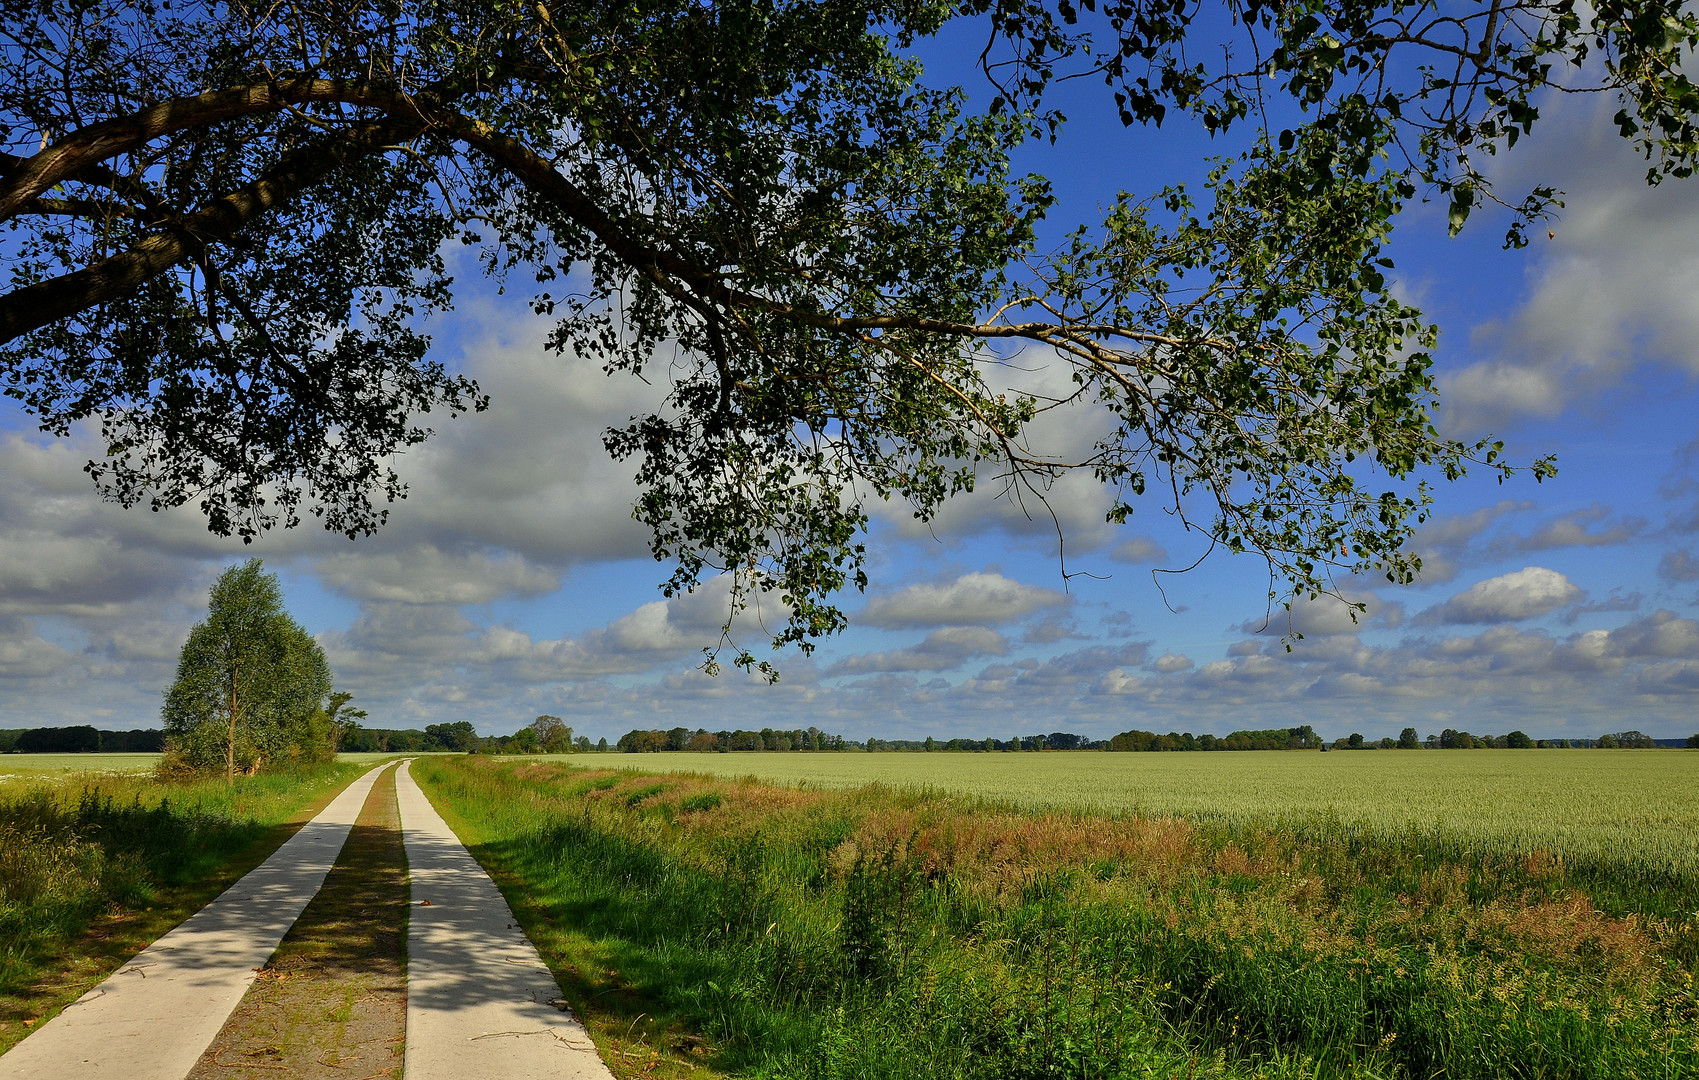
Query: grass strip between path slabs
(332,1000)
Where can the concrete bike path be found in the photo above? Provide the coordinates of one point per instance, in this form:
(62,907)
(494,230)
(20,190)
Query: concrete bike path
(155,1016)
(481,1004)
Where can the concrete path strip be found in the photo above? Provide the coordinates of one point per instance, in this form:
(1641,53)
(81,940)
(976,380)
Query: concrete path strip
(481,1004)
(154,1017)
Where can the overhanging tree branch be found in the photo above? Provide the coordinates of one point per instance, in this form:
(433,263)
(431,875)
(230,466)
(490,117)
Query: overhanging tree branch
(32,307)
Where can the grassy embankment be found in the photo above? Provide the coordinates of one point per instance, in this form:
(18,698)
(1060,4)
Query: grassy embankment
(95,866)
(871,933)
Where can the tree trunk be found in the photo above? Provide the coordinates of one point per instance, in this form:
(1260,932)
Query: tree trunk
(230,745)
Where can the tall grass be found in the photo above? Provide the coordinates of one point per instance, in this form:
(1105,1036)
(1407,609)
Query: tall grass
(76,851)
(1627,807)
(871,933)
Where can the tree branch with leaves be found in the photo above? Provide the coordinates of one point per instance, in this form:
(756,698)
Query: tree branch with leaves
(228,224)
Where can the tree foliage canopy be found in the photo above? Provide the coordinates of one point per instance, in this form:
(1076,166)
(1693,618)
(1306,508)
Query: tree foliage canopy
(229,224)
(251,684)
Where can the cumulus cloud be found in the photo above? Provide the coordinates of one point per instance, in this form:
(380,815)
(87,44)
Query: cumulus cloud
(1662,634)
(942,649)
(1669,679)
(980,599)
(1168,663)
(1573,530)
(1678,565)
(1139,549)
(425,574)
(1050,630)
(1326,616)
(1612,293)
(1443,541)
(25,655)
(415,655)
(1525,594)
(1617,601)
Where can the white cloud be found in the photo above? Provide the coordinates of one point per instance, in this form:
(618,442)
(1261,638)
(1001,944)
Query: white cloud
(425,574)
(1661,634)
(1524,594)
(1617,601)
(1326,616)
(1076,503)
(1050,630)
(1139,549)
(1670,679)
(1168,663)
(945,648)
(1443,542)
(981,599)
(24,655)
(1572,530)
(1610,294)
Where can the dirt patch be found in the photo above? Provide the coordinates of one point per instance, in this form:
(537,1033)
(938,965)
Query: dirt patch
(332,1001)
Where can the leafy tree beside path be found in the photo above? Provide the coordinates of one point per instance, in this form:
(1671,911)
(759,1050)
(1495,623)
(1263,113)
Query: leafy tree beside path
(229,223)
(251,684)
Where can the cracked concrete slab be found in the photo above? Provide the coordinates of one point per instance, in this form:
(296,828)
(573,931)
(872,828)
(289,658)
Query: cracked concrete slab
(155,1016)
(481,1004)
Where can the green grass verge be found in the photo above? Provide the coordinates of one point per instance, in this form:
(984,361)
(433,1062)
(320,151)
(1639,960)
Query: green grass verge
(871,933)
(95,867)
(1592,804)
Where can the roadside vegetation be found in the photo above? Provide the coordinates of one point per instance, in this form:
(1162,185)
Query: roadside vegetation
(707,924)
(93,868)
(1618,808)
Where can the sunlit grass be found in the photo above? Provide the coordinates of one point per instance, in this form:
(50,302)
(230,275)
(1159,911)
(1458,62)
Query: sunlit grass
(830,933)
(1581,803)
(94,865)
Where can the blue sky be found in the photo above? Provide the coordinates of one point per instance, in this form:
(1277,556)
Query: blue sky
(513,582)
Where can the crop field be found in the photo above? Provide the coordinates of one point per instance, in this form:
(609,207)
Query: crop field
(15,767)
(1294,923)
(1577,803)
(49,766)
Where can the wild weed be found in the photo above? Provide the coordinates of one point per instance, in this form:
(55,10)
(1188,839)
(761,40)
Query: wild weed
(872,933)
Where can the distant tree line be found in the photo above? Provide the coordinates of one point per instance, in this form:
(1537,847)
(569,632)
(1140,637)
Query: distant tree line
(643,741)
(1303,737)
(557,738)
(1056,740)
(1453,739)
(81,739)
(640,740)
(701,740)
(365,740)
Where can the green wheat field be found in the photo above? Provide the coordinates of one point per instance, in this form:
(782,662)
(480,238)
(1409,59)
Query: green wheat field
(1573,802)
